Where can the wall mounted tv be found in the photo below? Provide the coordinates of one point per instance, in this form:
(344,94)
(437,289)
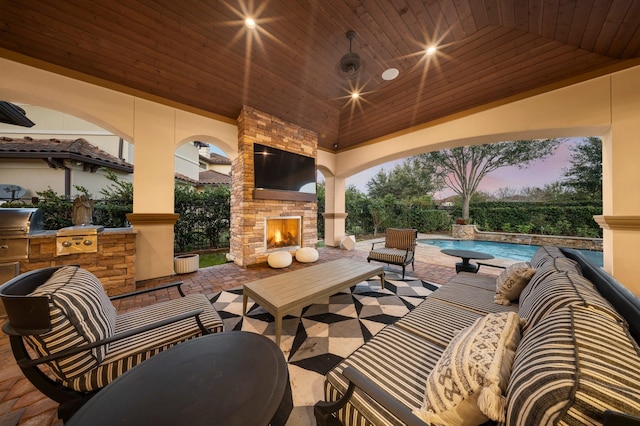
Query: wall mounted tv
(283,175)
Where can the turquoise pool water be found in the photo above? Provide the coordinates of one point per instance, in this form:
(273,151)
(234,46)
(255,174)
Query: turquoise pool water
(504,250)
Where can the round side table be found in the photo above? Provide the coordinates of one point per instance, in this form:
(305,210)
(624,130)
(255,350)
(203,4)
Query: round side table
(233,378)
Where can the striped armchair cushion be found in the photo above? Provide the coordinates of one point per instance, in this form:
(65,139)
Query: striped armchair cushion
(389,255)
(126,353)
(572,366)
(400,238)
(81,313)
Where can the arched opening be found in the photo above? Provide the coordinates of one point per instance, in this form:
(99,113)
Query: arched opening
(63,155)
(202,200)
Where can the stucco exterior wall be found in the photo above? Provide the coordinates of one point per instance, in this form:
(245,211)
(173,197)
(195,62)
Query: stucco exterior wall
(56,124)
(583,109)
(155,129)
(32,176)
(186,161)
(604,106)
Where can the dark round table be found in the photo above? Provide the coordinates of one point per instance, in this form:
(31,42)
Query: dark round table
(232,378)
(466,255)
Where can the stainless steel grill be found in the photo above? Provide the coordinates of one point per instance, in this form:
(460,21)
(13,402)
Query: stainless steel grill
(78,239)
(16,225)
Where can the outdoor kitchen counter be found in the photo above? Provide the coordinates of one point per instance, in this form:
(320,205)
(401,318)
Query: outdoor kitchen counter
(113,262)
(49,234)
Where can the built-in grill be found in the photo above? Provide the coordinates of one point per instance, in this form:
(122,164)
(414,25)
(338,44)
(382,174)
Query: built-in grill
(77,239)
(16,225)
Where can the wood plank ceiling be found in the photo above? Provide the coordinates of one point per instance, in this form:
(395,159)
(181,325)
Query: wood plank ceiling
(200,53)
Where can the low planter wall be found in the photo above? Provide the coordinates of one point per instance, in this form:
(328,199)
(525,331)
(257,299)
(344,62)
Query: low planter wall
(539,240)
(463,232)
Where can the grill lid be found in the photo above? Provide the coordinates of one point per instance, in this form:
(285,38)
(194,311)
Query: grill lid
(20,222)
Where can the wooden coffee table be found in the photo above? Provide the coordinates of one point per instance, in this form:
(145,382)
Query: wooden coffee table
(284,293)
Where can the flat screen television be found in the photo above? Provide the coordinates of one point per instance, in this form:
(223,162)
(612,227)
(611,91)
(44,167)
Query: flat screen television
(283,175)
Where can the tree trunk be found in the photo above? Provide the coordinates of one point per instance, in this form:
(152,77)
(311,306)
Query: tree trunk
(465,206)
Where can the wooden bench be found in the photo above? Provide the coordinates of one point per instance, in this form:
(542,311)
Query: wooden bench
(282,294)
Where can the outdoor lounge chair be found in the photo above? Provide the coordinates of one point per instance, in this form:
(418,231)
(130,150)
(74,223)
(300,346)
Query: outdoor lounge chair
(76,343)
(399,246)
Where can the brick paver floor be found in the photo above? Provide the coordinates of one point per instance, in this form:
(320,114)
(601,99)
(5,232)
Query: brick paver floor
(21,403)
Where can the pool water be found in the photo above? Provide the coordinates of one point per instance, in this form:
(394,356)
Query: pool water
(519,252)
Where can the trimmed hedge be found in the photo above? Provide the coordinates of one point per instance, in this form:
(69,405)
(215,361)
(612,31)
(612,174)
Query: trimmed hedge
(574,219)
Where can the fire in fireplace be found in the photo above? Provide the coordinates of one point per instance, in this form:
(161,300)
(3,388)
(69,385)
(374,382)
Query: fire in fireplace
(282,232)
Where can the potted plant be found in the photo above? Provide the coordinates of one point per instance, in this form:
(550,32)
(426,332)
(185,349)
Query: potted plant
(185,263)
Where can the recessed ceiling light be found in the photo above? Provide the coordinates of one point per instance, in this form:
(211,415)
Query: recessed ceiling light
(355,95)
(390,74)
(431,50)
(250,23)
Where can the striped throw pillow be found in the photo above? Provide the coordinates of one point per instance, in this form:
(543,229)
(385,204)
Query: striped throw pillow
(467,384)
(546,269)
(573,366)
(558,290)
(543,254)
(80,313)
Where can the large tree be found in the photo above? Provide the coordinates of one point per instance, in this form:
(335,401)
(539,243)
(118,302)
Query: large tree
(405,181)
(463,168)
(584,174)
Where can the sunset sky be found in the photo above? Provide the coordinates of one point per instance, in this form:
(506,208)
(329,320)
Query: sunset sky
(538,174)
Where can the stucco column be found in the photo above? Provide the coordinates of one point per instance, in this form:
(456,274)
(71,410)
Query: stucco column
(153,189)
(334,210)
(620,179)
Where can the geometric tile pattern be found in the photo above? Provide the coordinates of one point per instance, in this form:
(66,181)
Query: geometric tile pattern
(317,337)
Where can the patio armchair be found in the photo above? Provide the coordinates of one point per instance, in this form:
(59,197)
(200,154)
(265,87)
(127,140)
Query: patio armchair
(69,341)
(399,248)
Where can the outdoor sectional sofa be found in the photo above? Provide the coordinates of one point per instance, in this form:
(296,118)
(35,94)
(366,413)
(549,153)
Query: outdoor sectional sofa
(571,358)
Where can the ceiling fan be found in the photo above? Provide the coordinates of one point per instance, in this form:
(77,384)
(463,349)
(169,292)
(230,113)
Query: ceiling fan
(350,64)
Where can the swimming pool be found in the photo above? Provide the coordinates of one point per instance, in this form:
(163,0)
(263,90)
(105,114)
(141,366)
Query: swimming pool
(504,250)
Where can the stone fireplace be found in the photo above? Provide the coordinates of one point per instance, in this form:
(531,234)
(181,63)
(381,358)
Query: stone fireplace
(282,233)
(249,214)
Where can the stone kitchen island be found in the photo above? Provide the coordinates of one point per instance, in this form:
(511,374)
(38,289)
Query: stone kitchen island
(112,261)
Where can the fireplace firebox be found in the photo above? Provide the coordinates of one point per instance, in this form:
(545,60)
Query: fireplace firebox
(282,233)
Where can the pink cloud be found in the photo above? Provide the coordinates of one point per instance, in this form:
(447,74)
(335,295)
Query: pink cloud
(538,174)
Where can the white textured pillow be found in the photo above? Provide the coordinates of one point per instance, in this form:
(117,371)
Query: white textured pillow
(467,384)
(279,259)
(512,281)
(307,255)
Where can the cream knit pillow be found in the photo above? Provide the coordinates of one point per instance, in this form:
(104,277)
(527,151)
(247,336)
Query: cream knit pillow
(467,384)
(512,281)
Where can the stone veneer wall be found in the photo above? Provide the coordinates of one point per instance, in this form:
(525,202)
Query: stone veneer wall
(583,243)
(470,232)
(247,215)
(113,264)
